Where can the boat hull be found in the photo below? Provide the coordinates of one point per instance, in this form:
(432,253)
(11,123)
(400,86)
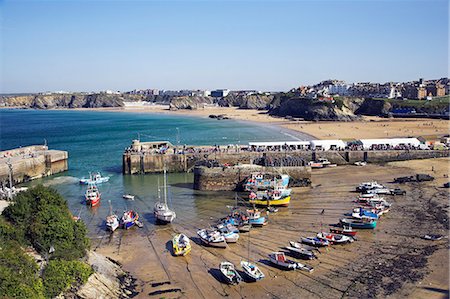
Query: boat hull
(283,202)
(360,225)
(261,221)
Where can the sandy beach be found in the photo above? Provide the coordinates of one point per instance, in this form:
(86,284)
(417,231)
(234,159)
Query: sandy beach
(367,127)
(390,260)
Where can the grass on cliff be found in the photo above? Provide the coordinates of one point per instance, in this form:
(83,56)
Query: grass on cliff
(434,104)
(40,218)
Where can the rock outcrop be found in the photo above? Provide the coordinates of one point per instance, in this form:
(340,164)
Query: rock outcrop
(191,103)
(253,101)
(108,280)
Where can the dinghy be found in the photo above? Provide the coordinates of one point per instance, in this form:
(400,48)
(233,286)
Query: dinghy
(229,272)
(212,238)
(128,196)
(181,245)
(252,271)
(229,232)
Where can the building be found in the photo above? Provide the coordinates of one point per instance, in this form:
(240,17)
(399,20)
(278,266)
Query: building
(220,93)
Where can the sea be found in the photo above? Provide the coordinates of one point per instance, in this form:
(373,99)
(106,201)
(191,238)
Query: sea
(95,141)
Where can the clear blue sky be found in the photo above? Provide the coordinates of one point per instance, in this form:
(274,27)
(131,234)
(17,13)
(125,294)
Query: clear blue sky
(264,45)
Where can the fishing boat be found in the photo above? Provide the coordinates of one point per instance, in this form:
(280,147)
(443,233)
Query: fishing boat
(279,259)
(181,245)
(334,238)
(128,196)
(269,199)
(229,272)
(112,220)
(255,218)
(92,195)
(314,241)
(161,210)
(301,253)
(129,219)
(252,271)
(359,223)
(212,238)
(94,178)
(229,232)
(346,230)
(360,213)
(263,181)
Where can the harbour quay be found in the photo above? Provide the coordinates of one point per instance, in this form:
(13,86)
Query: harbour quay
(31,162)
(153,157)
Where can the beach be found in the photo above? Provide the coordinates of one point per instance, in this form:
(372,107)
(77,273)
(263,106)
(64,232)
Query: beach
(391,260)
(365,128)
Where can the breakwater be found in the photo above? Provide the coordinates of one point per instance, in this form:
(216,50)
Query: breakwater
(139,163)
(232,178)
(31,162)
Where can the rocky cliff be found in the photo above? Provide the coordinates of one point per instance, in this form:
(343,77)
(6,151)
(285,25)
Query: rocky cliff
(254,101)
(190,102)
(312,109)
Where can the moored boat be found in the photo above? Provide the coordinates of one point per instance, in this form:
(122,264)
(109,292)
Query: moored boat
(279,259)
(282,202)
(252,271)
(128,196)
(129,219)
(181,245)
(346,230)
(360,213)
(212,238)
(301,245)
(92,195)
(229,232)
(335,238)
(314,241)
(255,218)
(301,253)
(359,223)
(112,220)
(230,273)
(95,178)
(161,210)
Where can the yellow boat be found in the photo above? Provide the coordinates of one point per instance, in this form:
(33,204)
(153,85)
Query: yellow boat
(181,245)
(284,202)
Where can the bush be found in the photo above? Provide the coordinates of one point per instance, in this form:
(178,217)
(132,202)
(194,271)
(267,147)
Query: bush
(60,275)
(19,277)
(41,218)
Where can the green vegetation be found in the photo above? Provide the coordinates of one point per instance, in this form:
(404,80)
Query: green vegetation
(435,105)
(40,217)
(60,275)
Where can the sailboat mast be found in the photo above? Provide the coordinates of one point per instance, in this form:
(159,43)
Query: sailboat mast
(165,187)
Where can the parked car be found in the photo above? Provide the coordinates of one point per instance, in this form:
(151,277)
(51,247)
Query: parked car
(398,191)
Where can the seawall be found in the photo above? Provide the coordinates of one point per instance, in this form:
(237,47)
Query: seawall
(31,162)
(134,163)
(231,178)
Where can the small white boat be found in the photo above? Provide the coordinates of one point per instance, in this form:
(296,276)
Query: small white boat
(181,245)
(161,210)
(252,271)
(112,222)
(230,232)
(212,238)
(335,238)
(128,196)
(229,272)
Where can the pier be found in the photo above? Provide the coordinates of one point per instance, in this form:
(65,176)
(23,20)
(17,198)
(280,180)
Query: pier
(152,157)
(31,162)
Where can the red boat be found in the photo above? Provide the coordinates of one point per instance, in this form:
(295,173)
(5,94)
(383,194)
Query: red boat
(348,231)
(92,196)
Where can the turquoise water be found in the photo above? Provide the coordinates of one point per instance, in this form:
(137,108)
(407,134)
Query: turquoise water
(95,142)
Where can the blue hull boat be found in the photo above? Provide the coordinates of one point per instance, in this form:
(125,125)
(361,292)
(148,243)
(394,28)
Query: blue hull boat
(258,221)
(359,223)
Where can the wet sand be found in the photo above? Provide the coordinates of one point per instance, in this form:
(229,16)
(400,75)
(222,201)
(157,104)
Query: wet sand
(390,260)
(366,127)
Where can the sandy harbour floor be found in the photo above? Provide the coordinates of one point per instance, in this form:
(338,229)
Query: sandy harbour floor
(391,260)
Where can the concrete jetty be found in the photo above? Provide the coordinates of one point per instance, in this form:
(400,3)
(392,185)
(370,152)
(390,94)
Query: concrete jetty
(30,162)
